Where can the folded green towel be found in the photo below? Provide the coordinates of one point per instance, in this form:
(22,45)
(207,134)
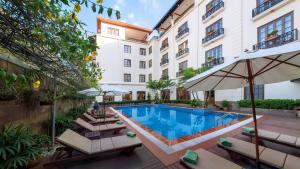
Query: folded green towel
(190,157)
(119,122)
(225,142)
(131,134)
(248,130)
(117,116)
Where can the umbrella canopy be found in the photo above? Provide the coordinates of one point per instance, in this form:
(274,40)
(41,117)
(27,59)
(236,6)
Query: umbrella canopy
(90,92)
(110,89)
(261,67)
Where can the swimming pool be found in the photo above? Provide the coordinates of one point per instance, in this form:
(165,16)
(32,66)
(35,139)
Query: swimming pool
(175,122)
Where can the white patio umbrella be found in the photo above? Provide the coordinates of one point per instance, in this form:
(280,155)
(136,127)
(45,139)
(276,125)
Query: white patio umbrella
(90,92)
(261,67)
(111,90)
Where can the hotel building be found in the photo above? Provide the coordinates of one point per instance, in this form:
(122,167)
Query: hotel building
(197,33)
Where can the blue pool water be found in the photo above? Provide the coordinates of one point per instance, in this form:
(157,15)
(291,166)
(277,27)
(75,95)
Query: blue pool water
(174,122)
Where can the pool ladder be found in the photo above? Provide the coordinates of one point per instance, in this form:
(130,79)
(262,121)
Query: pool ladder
(221,119)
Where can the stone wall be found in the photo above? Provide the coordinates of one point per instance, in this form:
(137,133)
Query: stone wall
(37,119)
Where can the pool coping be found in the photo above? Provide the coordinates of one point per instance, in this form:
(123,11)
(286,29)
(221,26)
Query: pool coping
(169,149)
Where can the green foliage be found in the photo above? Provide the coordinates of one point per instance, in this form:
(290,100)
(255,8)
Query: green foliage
(196,103)
(158,86)
(18,146)
(285,104)
(149,96)
(225,104)
(191,72)
(64,121)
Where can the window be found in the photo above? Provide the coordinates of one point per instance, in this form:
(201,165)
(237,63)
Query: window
(150,77)
(183,27)
(150,63)
(183,65)
(214,27)
(127,49)
(165,42)
(141,95)
(107,98)
(127,63)
(150,50)
(183,46)
(213,53)
(211,4)
(258,92)
(282,25)
(143,51)
(127,77)
(127,97)
(113,31)
(142,78)
(142,65)
(165,73)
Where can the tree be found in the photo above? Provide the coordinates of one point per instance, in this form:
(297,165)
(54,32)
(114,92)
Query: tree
(158,85)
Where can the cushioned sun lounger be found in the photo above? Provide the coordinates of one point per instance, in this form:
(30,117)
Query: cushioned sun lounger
(208,160)
(87,148)
(277,138)
(267,156)
(99,116)
(101,120)
(103,127)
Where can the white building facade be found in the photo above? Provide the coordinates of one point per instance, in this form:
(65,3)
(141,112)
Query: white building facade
(198,33)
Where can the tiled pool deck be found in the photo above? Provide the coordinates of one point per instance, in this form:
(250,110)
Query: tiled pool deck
(150,156)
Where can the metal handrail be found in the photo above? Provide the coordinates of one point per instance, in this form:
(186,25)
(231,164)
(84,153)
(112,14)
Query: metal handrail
(222,118)
(213,10)
(265,6)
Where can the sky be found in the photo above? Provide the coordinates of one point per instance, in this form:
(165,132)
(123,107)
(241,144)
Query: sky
(144,13)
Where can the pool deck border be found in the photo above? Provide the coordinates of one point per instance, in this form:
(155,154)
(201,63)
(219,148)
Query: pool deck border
(169,149)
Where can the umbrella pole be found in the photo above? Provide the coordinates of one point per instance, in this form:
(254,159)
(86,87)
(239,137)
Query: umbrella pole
(251,85)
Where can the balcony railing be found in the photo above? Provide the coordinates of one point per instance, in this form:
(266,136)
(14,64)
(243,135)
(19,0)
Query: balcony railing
(213,62)
(164,61)
(213,35)
(184,31)
(277,40)
(164,46)
(182,52)
(265,6)
(213,10)
(164,77)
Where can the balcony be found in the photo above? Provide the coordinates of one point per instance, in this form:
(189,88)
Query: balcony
(213,11)
(213,62)
(182,53)
(277,40)
(164,77)
(266,6)
(164,62)
(212,36)
(182,33)
(164,47)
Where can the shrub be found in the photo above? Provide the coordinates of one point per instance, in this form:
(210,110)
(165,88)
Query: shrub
(286,104)
(19,146)
(225,104)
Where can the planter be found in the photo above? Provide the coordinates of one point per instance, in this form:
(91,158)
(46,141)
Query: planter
(271,37)
(34,163)
(210,33)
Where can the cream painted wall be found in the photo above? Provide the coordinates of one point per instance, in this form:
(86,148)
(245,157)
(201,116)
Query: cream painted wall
(240,34)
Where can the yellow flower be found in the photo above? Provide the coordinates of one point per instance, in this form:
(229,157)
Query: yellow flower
(94,53)
(49,16)
(77,7)
(37,84)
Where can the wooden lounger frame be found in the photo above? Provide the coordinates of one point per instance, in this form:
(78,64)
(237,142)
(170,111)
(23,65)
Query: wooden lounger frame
(251,135)
(64,154)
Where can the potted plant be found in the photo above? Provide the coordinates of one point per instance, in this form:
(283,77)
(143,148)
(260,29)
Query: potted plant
(225,105)
(210,32)
(272,35)
(210,58)
(20,148)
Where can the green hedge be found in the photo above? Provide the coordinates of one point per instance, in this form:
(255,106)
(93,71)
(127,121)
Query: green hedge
(285,104)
